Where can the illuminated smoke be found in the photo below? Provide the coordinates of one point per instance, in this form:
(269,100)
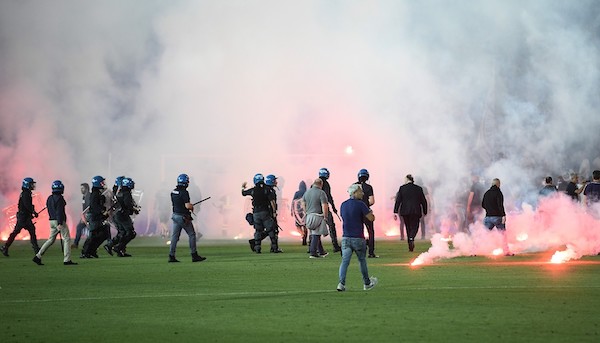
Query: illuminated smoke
(222,90)
(557,223)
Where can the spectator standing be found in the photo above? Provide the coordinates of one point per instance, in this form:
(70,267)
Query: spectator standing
(354,213)
(495,216)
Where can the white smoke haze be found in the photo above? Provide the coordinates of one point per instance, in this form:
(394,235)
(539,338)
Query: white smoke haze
(223,90)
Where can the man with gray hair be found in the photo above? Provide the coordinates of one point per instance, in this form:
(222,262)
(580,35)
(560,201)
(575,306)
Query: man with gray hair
(316,207)
(354,214)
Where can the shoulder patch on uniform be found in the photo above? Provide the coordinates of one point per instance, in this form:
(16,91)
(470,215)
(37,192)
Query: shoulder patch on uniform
(174,192)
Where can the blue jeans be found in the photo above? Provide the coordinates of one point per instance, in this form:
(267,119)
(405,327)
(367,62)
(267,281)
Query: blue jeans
(358,245)
(180,222)
(491,222)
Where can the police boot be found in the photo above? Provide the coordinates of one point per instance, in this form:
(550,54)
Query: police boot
(336,246)
(172,259)
(257,249)
(411,244)
(197,258)
(252,243)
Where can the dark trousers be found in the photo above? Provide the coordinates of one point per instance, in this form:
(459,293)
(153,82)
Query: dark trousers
(99,232)
(403,229)
(371,241)
(125,232)
(332,232)
(316,246)
(79,231)
(411,222)
(27,224)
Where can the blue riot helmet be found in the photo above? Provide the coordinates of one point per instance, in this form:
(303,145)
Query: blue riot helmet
(323,172)
(28,183)
(98,181)
(183,180)
(127,183)
(58,187)
(258,178)
(270,180)
(363,173)
(119,181)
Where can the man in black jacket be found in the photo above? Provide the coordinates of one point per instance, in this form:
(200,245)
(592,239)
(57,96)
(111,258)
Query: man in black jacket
(411,204)
(324,175)
(369,200)
(495,216)
(85,204)
(24,217)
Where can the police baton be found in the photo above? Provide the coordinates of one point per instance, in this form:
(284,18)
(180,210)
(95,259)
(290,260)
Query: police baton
(196,203)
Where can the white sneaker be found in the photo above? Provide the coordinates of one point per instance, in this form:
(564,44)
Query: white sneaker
(372,284)
(341,287)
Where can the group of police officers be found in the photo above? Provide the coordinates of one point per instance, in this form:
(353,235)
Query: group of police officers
(105,206)
(117,206)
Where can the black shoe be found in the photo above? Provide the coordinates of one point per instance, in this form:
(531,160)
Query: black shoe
(373,256)
(197,258)
(337,249)
(276,251)
(4,251)
(411,245)
(69,263)
(125,254)
(94,255)
(119,253)
(37,260)
(252,243)
(84,256)
(172,259)
(108,249)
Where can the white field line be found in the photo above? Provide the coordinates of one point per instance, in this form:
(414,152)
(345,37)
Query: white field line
(239,294)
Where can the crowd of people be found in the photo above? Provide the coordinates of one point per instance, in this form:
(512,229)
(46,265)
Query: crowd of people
(312,209)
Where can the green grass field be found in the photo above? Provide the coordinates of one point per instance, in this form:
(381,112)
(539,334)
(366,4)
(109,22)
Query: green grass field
(238,296)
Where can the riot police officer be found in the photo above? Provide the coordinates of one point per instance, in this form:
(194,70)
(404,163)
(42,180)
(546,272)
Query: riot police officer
(263,205)
(26,212)
(97,219)
(182,219)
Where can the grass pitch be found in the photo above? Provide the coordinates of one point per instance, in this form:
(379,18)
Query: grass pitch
(238,296)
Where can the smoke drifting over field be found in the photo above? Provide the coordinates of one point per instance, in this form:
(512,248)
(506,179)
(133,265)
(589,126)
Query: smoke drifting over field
(223,90)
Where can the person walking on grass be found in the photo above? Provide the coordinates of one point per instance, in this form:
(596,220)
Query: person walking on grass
(316,207)
(58,224)
(82,225)
(182,219)
(411,204)
(354,213)
(26,212)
